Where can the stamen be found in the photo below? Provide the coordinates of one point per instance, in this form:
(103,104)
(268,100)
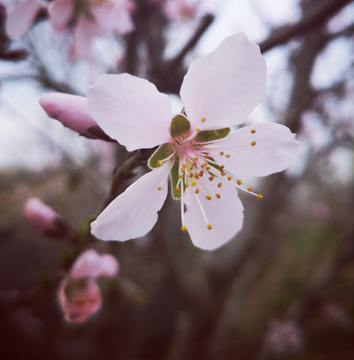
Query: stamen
(239,182)
(201,173)
(207,168)
(159,162)
(197,128)
(195,158)
(249,188)
(253,131)
(219,185)
(229,178)
(211,178)
(159,188)
(218,196)
(222,173)
(221,153)
(178,189)
(202,119)
(208,197)
(186,185)
(196,191)
(209,226)
(253,143)
(184,228)
(196,176)
(227,155)
(222,166)
(260,196)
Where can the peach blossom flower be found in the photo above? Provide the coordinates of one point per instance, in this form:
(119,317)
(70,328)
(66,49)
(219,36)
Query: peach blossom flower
(205,158)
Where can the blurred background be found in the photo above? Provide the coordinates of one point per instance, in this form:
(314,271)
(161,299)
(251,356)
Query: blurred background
(283,288)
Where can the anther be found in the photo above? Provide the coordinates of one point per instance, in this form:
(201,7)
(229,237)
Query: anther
(222,166)
(218,196)
(184,228)
(253,131)
(196,191)
(227,155)
(208,197)
(206,156)
(222,173)
(186,185)
(219,185)
(159,162)
(191,175)
(260,196)
(194,163)
(202,119)
(207,168)
(197,128)
(229,178)
(221,153)
(249,188)
(159,188)
(195,158)
(201,173)
(211,178)
(209,226)
(178,189)
(253,143)
(239,182)
(196,176)
(180,176)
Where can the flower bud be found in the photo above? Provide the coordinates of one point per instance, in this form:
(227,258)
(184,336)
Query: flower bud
(45,219)
(79,298)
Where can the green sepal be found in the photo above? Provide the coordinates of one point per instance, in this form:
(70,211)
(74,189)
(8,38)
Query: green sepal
(180,126)
(163,152)
(209,135)
(174,180)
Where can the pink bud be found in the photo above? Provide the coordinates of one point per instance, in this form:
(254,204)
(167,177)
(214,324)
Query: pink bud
(91,263)
(40,215)
(70,110)
(79,298)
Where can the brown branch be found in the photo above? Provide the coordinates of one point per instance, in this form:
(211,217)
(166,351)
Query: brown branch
(313,18)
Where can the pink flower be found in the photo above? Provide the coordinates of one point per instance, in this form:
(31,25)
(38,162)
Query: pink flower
(205,158)
(179,10)
(93,18)
(20,17)
(79,295)
(40,215)
(70,110)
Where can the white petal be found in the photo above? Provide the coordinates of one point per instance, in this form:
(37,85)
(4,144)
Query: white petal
(19,17)
(83,34)
(134,213)
(130,110)
(224,86)
(273,152)
(224,214)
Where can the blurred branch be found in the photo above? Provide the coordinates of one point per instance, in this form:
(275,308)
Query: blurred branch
(313,18)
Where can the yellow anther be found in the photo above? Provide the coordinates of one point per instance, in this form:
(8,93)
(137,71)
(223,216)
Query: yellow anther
(229,178)
(191,175)
(202,119)
(201,173)
(249,188)
(184,228)
(222,166)
(180,176)
(260,196)
(207,168)
(221,153)
(186,185)
(196,191)
(253,131)
(190,168)
(222,173)
(227,155)
(195,158)
(218,196)
(196,176)
(159,187)
(211,178)
(253,143)
(209,226)
(159,162)
(183,169)
(194,163)
(208,197)
(178,189)
(239,182)
(219,185)
(204,165)
(206,156)
(197,128)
